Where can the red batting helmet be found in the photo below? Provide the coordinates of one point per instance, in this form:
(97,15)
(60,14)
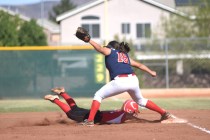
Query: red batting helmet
(130,106)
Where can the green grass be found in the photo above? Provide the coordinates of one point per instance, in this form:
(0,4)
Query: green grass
(184,103)
(40,105)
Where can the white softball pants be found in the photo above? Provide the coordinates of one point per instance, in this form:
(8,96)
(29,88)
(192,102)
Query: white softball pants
(119,85)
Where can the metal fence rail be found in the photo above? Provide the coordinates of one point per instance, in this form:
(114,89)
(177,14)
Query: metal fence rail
(180,62)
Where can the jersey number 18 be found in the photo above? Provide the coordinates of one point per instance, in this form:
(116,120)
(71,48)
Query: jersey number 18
(122,58)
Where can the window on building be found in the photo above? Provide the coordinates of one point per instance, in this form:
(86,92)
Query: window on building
(94,29)
(125,28)
(91,23)
(143,30)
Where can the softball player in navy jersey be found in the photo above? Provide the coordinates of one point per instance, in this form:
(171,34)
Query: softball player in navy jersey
(127,112)
(123,79)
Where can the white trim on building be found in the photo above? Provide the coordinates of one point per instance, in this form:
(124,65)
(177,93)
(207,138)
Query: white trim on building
(95,3)
(136,20)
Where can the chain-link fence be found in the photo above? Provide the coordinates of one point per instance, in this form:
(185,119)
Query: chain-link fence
(26,74)
(180,63)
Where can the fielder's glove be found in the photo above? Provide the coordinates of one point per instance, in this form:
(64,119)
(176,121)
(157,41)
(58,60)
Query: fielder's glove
(83,34)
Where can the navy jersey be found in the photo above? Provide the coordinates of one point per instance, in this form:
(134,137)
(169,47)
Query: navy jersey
(118,63)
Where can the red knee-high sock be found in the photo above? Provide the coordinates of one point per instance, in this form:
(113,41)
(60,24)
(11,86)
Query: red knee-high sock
(94,108)
(68,99)
(62,105)
(152,106)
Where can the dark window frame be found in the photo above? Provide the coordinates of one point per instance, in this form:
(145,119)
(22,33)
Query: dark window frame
(125,28)
(143,30)
(93,29)
(90,18)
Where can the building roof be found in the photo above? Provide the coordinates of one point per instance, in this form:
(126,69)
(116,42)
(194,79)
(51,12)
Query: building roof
(52,27)
(79,9)
(47,24)
(187,2)
(170,3)
(14,14)
(97,2)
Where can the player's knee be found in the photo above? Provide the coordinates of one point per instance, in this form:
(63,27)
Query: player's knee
(142,102)
(97,97)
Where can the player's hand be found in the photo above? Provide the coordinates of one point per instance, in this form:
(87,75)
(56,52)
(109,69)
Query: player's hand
(153,74)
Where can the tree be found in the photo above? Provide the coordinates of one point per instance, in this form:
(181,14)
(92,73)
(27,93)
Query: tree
(202,22)
(30,34)
(178,26)
(64,6)
(8,29)
(16,32)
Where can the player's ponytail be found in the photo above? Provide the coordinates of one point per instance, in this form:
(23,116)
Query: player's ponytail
(124,47)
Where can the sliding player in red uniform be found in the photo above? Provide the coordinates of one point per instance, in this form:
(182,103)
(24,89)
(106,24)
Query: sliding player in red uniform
(128,110)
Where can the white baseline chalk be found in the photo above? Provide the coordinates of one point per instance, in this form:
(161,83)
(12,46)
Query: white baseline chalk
(200,128)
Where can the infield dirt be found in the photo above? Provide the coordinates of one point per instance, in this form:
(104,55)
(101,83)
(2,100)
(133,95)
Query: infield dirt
(55,126)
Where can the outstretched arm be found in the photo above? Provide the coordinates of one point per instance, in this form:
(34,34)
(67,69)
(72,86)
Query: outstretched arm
(142,67)
(99,48)
(82,34)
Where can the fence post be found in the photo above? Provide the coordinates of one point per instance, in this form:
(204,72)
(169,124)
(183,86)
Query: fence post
(166,61)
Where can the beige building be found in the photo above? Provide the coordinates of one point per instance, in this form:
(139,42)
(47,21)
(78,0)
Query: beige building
(52,31)
(137,20)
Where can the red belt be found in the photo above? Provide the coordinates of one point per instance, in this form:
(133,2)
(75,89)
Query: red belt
(126,75)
